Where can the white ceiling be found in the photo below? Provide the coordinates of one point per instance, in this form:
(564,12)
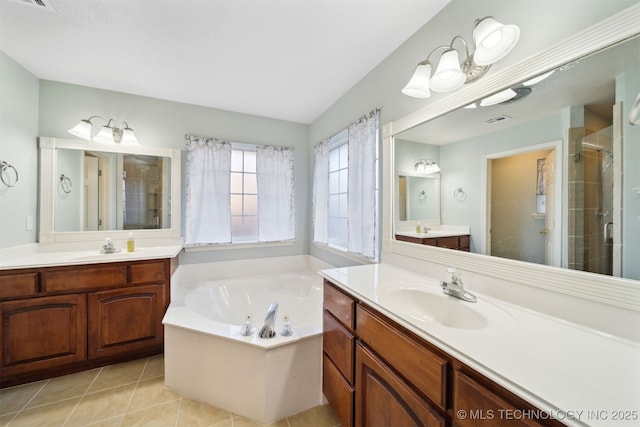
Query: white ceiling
(284,59)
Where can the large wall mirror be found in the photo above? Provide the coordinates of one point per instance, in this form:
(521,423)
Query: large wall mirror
(550,175)
(88,190)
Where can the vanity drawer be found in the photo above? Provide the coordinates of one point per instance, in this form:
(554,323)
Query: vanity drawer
(18,285)
(416,363)
(448,242)
(340,305)
(78,279)
(147,272)
(338,344)
(338,392)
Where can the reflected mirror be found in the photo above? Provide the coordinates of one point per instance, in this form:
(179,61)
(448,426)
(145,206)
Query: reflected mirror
(546,174)
(419,198)
(111,191)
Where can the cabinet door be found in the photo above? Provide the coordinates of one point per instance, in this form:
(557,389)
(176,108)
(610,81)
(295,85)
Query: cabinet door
(42,333)
(125,320)
(383,399)
(481,407)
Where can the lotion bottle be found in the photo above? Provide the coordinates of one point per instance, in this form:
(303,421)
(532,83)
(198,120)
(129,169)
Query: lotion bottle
(131,243)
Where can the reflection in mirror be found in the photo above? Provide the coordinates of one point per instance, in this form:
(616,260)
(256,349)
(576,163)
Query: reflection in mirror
(419,198)
(111,191)
(588,219)
(414,205)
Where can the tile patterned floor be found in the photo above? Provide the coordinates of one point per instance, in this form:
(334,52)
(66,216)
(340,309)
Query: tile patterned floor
(123,395)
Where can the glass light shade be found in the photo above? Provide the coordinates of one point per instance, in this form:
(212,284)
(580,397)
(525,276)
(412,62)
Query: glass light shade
(105,135)
(128,137)
(538,79)
(432,168)
(82,130)
(418,86)
(497,98)
(493,40)
(427,166)
(448,75)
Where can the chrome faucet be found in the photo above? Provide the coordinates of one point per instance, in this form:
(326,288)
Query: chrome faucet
(455,288)
(109,247)
(268,329)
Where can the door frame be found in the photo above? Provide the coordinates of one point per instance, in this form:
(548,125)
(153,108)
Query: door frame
(485,223)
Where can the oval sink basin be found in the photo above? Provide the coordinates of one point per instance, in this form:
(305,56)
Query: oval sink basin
(435,308)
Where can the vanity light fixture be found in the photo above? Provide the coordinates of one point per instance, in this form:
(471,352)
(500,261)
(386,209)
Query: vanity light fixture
(108,134)
(492,41)
(427,166)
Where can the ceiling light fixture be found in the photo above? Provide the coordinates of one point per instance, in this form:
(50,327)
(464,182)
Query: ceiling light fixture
(492,41)
(427,166)
(108,134)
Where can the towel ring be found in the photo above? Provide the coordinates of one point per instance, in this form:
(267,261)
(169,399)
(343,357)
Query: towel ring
(5,176)
(422,196)
(65,183)
(459,194)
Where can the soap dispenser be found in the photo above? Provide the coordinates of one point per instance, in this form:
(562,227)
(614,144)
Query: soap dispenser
(418,228)
(131,243)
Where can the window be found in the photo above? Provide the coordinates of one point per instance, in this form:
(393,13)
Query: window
(338,213)
(244,196)
(238,193)
(345,189)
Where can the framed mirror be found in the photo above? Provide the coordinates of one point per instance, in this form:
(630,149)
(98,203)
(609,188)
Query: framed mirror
(89,190)
(469,149)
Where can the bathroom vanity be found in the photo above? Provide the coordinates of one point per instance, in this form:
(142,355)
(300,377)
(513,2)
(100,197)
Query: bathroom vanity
(62,317)
(396,351)
(461,242)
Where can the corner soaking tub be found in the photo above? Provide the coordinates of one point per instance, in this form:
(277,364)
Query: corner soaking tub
(207,358)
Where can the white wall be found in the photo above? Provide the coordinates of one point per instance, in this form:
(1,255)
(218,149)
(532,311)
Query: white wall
(543,23)
(629,84)
(18,132)
(163,123)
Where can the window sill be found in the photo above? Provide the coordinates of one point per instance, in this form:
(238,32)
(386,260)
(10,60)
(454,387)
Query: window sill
(343,253)
(228,246)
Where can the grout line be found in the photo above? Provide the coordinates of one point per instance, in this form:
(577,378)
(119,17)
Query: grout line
(34,396)
(82,397)
(178,411)
(135,388)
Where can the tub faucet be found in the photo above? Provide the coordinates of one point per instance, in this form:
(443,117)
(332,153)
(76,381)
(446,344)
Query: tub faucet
(455,288)
(268,330)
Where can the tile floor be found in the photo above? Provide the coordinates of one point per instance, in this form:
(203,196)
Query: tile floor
(122,395)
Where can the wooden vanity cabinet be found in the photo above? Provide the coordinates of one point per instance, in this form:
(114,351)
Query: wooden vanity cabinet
(56,320)
(402,380)
(42,333)
(460,243)
(338,345)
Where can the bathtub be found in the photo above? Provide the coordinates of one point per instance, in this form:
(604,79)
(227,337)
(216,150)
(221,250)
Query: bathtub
(207,358)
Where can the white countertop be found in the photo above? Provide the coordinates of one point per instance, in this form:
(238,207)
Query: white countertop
(33,256)
(578,375)
(431,234)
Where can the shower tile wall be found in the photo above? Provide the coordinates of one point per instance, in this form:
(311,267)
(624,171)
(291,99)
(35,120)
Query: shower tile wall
(576,200)
(589,192)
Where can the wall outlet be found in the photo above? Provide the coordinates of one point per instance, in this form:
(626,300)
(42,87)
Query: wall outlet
(29,223)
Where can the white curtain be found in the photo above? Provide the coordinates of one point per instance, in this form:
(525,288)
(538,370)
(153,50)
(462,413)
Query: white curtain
(208,172)
(276,209)
(320,192)
(362,185)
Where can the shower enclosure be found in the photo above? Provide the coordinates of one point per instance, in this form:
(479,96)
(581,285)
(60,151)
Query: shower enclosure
(592,203)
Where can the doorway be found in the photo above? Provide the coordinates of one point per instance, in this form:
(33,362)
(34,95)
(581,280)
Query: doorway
(522,204)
